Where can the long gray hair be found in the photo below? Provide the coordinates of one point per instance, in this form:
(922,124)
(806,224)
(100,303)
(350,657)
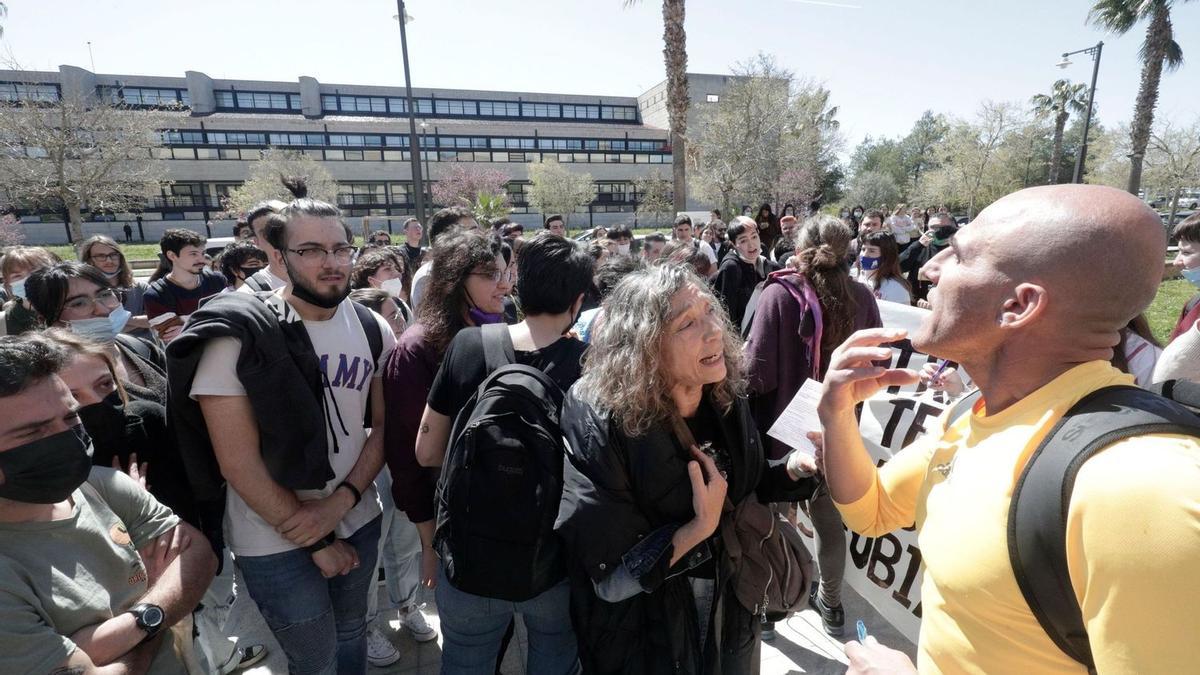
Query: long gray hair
(624,370)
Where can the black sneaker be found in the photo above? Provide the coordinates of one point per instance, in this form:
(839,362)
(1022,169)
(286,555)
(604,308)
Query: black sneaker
(833,618)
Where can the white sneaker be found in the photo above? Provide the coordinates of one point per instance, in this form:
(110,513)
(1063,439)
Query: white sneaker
(380,650)
(412,619)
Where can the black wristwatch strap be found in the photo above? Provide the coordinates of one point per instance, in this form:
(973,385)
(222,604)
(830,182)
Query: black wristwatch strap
(323,542)
(353,490)
(140,611)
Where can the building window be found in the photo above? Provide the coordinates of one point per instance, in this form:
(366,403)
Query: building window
(224,99)
(499,109)
(441,107)
(581,112)
(618,112)
(329,103)
(541,110)
(173,137)
(36,93)
(236,138)
(144,96)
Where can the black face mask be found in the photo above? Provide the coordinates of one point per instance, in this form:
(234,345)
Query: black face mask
(306,294)
(47,470)
(945,232)
(105,421)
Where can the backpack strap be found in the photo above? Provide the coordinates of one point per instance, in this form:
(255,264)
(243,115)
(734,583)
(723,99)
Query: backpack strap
(1037,517)
(497,346)
(371,327)
(257,283)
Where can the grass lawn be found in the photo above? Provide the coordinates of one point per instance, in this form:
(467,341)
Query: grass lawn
(132,251)
(1164,311)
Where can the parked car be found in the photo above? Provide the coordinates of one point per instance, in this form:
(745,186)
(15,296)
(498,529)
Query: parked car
(1188,199)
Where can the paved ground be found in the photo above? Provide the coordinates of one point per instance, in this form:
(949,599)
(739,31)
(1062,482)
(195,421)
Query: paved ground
(800,647)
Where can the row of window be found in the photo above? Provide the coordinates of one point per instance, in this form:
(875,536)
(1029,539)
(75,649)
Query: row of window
(334,155)
(186,137)
(182,195)
(256,100)
(387,105)
(32,93)
(227,99)
(149,97)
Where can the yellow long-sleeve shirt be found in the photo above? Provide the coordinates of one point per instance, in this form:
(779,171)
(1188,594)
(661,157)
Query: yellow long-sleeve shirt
(1133,540)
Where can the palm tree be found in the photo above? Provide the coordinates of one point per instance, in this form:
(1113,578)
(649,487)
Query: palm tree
(675,57)
(1064,98)
(1159,49)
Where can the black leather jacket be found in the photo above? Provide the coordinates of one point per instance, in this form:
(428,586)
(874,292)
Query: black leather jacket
(619,490)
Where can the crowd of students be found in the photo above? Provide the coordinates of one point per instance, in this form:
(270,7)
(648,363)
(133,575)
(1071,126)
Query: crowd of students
(573,433)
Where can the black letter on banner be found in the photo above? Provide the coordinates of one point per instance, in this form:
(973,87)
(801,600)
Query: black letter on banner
(923,412)
(901,360)
(899,405)
(914,565)
(859,557)
(888,561)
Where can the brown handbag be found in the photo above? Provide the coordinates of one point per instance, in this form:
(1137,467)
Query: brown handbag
(771,571)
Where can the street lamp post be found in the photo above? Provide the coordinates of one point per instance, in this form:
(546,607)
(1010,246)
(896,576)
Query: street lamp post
(1094,52)
(413,148)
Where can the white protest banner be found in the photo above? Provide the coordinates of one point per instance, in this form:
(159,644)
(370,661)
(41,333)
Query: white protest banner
(886,570)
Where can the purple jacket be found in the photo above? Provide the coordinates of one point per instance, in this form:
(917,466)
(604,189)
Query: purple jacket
(407,379)
(777,352)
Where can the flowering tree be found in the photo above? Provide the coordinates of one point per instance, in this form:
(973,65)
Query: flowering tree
(654,202)
(555,189)
(264,182)
(78,154)
(477,188)
(10,233)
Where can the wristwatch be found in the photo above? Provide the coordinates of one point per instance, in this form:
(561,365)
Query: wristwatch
(149,618)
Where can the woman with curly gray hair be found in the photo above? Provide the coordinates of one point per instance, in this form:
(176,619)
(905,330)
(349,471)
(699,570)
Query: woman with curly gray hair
(650,580)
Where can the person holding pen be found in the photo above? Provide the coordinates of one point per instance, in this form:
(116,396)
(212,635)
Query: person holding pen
(1032,298)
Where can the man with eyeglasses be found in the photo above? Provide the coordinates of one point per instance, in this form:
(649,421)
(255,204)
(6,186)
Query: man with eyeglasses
(268,394)
(189,280)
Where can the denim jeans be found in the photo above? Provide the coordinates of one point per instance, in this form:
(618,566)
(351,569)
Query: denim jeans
(320,623)
(472,627)
(399,553)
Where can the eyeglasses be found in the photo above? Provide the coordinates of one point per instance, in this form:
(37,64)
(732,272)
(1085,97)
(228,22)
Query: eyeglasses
(87,303)
(316,255)
(106,257)
(508,275)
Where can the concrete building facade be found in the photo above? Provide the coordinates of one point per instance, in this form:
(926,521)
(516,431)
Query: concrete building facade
(360,134)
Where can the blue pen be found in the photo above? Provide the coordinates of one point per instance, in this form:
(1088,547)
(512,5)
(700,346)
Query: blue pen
(862,630)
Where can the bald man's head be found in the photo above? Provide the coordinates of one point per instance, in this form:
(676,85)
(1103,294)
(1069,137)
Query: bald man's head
(1099,250)
(1043,268)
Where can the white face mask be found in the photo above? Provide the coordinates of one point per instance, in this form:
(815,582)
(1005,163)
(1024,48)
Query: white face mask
(623,249)
(102,329)
(18,288)
(394,287)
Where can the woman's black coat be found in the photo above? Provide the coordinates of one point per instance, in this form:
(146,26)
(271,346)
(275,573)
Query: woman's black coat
(618,490)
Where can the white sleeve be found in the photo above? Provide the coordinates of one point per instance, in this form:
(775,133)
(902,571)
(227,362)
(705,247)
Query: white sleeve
(1141,357)
(893,291)
(216,374)
(418,286)
(708,251)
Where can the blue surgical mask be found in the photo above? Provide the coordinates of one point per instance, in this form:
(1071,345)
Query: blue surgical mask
(102,329)
(868,263)
(1192,275)
(18,288)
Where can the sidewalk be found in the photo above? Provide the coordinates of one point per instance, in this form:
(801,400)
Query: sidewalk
(801,646)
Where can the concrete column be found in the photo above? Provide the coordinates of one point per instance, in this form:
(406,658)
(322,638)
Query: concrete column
(310,97)
(200,89)
(77,82)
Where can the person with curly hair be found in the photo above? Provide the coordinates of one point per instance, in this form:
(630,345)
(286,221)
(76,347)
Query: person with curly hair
(659,436)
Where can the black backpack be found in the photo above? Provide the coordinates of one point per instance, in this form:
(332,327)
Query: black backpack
(1037,517)
(501,481)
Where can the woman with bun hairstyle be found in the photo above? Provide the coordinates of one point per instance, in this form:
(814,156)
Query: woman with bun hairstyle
(804,312)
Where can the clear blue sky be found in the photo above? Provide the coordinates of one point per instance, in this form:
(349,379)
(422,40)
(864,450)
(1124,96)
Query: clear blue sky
(885,60)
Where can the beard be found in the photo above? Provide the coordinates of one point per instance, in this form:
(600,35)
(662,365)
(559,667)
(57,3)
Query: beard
(312,295)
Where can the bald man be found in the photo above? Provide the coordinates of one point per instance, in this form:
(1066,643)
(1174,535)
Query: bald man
(1031,298)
